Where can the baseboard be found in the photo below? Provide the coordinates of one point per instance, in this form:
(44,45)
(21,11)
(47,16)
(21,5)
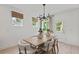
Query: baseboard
(17,45)
(8,47)
(69,44)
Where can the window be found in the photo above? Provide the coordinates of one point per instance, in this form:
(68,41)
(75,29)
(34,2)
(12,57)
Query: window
(17,18)
(59,26)
(36,24)
(45,25)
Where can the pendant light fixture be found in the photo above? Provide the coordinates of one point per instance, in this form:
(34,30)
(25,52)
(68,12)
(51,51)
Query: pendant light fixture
(44,11)
(42,17)
(43,20)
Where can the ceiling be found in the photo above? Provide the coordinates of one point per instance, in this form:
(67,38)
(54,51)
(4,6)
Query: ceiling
(50,8)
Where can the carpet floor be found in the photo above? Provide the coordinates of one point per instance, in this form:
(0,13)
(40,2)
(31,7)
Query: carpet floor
(63,49)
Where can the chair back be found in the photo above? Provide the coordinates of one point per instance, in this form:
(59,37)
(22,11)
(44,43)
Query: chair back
(23,46)
(55,46)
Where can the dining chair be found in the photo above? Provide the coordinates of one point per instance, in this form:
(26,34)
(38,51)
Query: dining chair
(51,47)
(47,48)
(55,46)
(25,48)
(48,45)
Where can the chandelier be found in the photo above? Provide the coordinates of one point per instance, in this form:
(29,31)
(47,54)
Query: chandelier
(42,17)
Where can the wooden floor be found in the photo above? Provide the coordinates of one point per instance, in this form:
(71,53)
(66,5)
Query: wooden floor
(63,49)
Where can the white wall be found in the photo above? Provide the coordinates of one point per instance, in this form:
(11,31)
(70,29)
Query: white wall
(70,32)
(9,34)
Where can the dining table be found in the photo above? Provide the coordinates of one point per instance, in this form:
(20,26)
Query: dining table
(34,40)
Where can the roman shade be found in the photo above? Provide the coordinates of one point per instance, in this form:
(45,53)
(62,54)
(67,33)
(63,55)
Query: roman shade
(17,14)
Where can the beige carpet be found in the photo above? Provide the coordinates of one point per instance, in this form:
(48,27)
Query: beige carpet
(63,49)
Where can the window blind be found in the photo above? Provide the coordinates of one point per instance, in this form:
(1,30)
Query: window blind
(17,14)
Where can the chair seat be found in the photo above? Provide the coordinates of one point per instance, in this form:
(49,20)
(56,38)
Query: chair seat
(48,46)
(31,51)
(45,48)
(25,47)
(28,49)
